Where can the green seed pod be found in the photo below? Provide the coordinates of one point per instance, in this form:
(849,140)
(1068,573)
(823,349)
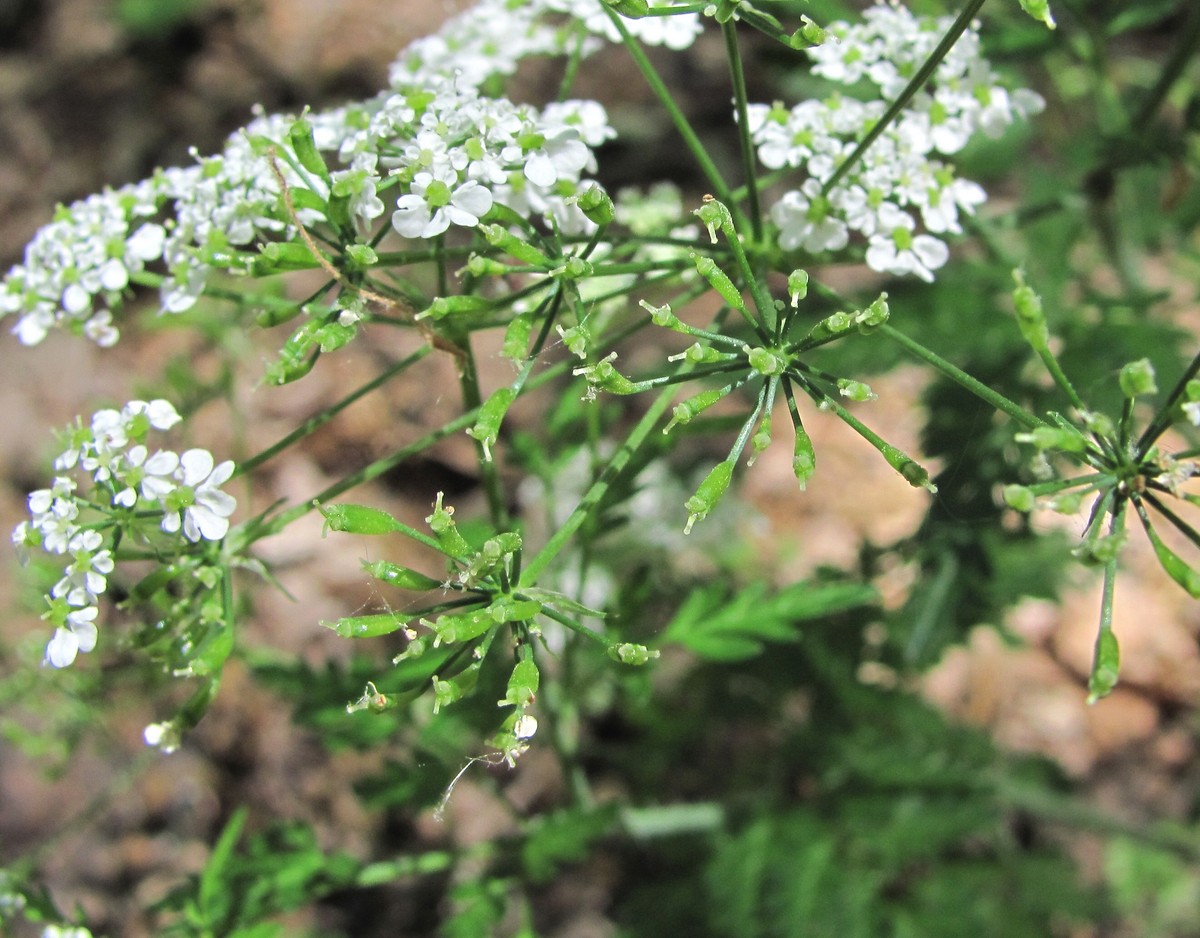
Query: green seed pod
(277,257)
(604,376)
(708,494)
(400,576)
(385,623)
(522,685)
(1106,666)
(358,519)
(450,629)
(1044,438)
(686,411)
(517,336)
(717,279)
(912,471)
(514,610)
(491,415)
(277,314)
(300,136)
(761,439)
(505,240)
(361,256)
(829,328)
(804,457)
(698,354)
(1030,318)
(634,9)
(459,304)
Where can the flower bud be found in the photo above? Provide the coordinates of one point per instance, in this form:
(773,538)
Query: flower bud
(1137,379)
(596,206)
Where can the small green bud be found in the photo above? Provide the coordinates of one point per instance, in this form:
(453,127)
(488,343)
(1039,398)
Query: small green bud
(698,354)
(1137,379)
(596,206)
(797,286)
(1099,424)
(714,214)
(575,268)
(708,494)
(874,316)
(855,390)
(441,522)
(361,256)
(604,376)
(761,439)
(809,34)
(661,315)
(1040,11)
(766,362)
(577,339)
(277,257)
(480,266)
(1019,498)
(1100,551)
(629,653)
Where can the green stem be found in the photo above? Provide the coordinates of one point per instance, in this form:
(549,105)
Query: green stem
(600,486)
(957,28)
(738,76)
(314,423)
(976,387)
(468,380)
(707,166)
(1162,419)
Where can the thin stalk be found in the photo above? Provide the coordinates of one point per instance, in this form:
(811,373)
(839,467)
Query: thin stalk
(315,423)
(1162,419)
(738,77)
(600,486)
(957,28)
(658,86)
(976,387)
(468,381)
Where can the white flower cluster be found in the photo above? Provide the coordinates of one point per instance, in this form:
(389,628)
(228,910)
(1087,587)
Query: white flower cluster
(180,493)
(899,180)
(442,152)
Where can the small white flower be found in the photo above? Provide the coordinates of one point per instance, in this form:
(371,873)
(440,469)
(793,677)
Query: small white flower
(437,202)
(197,504)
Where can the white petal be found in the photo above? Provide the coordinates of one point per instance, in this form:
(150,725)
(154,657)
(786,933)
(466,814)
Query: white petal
(195,465)
(62,648)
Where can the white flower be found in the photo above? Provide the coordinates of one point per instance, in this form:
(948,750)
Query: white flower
(436,202)
(805,221)
(198,504)
(77,634)
(164,736)
(896,250)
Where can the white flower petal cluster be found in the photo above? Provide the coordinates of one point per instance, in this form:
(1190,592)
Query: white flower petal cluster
(901,179)
(433,151)
(123,475)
